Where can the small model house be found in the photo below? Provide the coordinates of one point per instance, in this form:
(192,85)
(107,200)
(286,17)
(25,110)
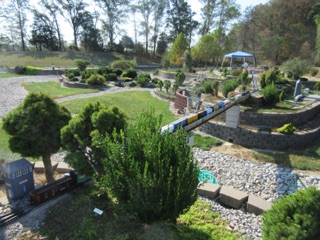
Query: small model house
(18,179)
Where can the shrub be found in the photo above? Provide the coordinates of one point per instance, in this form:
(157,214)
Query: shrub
(150,85)
(118,71)
(122,64)
(104,70)
(317,86)
(82,64)
(179,77)
(229,86)
(297,66)
(152,175)
(30,70)
(207,86)
(72,73)
(160,84)
(243,78)
(132,84)
(287,129)
(88,73)
(156,72)
(155,80)
(19,70)
(165,61)
(235,72)
(131,73)
(270,77)
(294,216)
(143,79)
(303,79)
(270,94)
(111,77)
(314,71)
(96,79)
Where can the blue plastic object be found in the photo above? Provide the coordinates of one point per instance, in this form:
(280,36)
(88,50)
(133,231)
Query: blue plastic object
(205,176)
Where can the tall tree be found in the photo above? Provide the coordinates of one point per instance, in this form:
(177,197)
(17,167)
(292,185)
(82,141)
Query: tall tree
(127,43)
(162,44)
(159,11)
(180,19)
(34,128)
(179,46)
(208,15)
(75,14)
(145,8)
(49,15)
(90,36)
(115,12)
(15,14)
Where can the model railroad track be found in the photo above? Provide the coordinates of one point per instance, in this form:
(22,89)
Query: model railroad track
(15,214)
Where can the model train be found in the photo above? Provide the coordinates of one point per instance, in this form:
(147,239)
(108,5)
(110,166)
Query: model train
(67,183)
(187,120)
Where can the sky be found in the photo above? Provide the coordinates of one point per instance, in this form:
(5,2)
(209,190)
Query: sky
(67,30)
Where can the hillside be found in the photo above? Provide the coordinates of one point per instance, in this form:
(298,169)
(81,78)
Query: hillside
(66,59)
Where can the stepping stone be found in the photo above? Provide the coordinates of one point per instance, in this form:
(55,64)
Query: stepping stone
(257,205)
(232,197)
(208,190)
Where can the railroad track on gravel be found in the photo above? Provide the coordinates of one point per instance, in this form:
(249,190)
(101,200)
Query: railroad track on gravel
(15,214)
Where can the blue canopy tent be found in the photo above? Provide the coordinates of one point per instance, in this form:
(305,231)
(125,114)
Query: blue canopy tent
(238,54)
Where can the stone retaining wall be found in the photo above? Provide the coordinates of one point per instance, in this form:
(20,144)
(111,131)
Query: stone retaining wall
(170,75)
(261,140)
(279,119)
(76,84)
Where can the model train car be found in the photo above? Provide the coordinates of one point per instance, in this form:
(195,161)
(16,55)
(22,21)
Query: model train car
(68,182)
(187,120)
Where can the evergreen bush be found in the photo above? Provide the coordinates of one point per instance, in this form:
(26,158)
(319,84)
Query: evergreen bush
(130,72)
(179,77)
(96,79)
(314,72)
(297,66)
(271,77)
(123,64)
(317,86)
(151,174)
(207,87)
(111,77)
(118,71)
(82,64)
(293,217)
(270,95)
(104,70)
(229,86)
(143,79)
(235,72)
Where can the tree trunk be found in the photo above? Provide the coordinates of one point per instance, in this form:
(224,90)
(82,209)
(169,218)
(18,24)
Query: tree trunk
(48,168)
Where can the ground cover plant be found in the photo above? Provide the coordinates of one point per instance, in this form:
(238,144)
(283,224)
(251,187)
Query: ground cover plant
(9,75)
(205,142)
(54,89)
(74,219)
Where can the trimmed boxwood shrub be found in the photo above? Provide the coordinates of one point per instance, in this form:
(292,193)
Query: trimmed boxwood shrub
(88,73)
(104,70)
(229,86)
(96,79)
(72,73)
(131,73)
(143,79)
(111,77)
(270,95)
(235,72)
(293,217)
(179,77)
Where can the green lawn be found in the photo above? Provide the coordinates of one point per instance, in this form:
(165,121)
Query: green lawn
(9,75)
(131,102)
(74,219)
(54,89)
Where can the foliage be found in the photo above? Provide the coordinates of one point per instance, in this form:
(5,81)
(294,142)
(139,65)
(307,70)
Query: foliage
(317,86)
(314,71)
(30,70)
(297,66)
(118,71)
(270,94)
(179,46)
(34,128)
(167,85)
(235,72)
(130,72)
(187,61)
(132,84)
(80,136)
(165,61)
(82,64)
(175,87)
(151,174)
(243,78)
(160,84)
(287,129)
(111,77)
(124,64)
(205,142)
(96,79)
(71,73)
(88,73)
(270,77)
(294,216)
(156,72)
(104,70)
(179,77)
(143,79)
(207,86)
(228,86)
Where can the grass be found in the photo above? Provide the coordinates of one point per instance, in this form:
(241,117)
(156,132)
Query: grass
(131,102)
(65,59)
(205,142)
(54,89)
(74,219)
(307,159)
(9,75)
